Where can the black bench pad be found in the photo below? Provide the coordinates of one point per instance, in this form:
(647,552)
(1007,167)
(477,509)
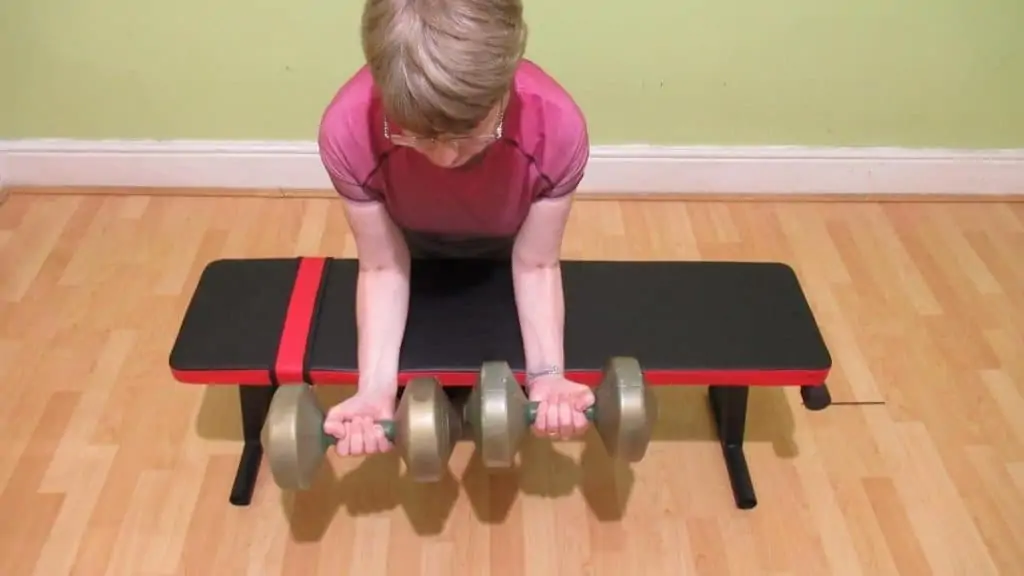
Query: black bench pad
(701,323)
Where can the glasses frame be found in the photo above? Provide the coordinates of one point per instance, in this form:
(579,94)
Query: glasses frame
(458,141)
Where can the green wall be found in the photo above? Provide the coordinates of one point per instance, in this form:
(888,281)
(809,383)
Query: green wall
(918,73)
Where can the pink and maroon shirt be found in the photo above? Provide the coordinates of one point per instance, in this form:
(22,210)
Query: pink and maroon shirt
(542,154)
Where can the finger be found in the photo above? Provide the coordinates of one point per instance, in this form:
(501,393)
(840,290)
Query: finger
(380,439)
(358,440)
(370,443)
(565,419)
(376,441)
(579,422)
(342,446)
(553,417)
(541,420)
(582,402)
(355,443)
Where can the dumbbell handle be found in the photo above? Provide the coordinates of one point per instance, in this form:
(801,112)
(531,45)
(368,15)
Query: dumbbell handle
(531,412)
(389,425)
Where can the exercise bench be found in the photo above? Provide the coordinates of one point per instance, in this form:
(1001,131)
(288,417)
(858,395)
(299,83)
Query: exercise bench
(262,323)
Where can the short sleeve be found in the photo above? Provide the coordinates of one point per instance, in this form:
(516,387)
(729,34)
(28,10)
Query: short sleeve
(336,147)
(346,151)
(566,153)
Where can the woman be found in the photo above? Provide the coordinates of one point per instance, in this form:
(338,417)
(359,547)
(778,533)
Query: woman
(449,143)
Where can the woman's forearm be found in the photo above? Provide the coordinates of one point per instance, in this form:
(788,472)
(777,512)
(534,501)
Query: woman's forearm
(541,307)
(382,294)
(382,305)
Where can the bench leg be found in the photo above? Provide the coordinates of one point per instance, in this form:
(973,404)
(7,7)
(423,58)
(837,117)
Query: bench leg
(255,403)
(729,407)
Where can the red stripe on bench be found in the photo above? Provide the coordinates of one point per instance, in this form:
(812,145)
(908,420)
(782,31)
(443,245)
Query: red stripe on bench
(291,353)
(589,377)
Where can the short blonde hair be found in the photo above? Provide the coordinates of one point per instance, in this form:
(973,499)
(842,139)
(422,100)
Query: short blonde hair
(442,65)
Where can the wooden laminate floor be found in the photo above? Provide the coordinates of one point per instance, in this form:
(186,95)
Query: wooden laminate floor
(108,466)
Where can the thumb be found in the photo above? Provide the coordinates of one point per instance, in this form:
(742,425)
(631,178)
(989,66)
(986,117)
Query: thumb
(334,422)
(386,412)
(583,400)
(535,393)
(342,411)
(335,428)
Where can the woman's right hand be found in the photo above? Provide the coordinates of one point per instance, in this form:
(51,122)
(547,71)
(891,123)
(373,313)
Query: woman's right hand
(354,423)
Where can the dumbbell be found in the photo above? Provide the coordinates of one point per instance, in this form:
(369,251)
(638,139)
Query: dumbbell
(498,412)
(424,431)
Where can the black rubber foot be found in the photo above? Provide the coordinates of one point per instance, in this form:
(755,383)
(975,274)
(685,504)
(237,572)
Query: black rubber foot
(816,397)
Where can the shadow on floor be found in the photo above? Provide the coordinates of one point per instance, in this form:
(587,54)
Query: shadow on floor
(378,484)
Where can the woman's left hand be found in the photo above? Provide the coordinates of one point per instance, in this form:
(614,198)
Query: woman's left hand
(561,405)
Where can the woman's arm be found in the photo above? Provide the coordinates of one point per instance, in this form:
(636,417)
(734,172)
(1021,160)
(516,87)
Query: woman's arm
(382,294)
(537,277)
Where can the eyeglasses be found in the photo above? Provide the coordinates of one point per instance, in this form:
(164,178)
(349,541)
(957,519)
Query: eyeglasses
(456,141)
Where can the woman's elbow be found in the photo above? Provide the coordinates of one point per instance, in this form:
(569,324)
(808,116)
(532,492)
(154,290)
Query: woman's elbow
(528,261)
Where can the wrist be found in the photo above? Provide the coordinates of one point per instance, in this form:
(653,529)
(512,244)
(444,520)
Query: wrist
(543,373)
(378,386)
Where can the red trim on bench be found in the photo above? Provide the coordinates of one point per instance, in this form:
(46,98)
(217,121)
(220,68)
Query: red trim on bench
(468,378)
(291,353)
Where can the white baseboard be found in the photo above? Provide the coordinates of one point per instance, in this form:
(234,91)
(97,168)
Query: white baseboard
(630,169)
